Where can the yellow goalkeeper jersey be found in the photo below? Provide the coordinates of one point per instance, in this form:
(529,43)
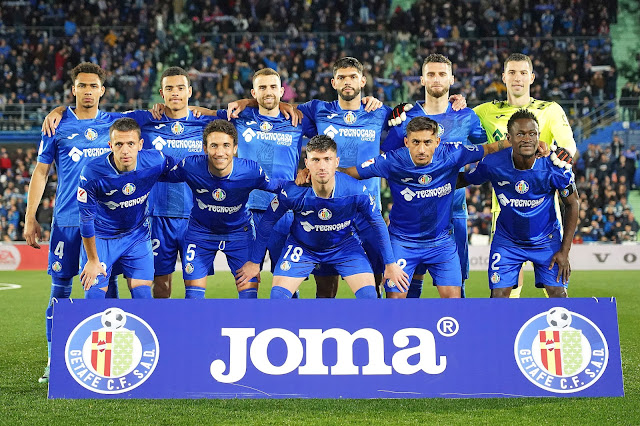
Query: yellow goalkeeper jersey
(551,117)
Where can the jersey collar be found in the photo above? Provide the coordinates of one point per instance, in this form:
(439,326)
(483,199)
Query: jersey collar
(514,165)
(421,105)
(112,163)
(73,112)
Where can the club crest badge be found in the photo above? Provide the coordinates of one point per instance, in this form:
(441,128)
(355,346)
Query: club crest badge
(522,187)
(91,134)
(112,352)
(561,351)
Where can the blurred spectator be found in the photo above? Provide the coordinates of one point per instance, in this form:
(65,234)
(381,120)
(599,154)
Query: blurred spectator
(629,99)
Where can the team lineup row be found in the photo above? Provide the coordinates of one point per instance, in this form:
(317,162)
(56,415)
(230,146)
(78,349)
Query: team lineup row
(422,177)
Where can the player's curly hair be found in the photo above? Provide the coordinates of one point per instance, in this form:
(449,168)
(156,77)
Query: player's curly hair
(171,71)
(220,126)
(521,114)
(88,68)
(125,124)
(421,123)
(321,143)
(347,62)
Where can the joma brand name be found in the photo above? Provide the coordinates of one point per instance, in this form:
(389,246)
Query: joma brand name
(312,352)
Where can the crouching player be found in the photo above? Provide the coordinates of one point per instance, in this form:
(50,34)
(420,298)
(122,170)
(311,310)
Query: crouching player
(112,198)
(219,219)
(527,227)
(322,230)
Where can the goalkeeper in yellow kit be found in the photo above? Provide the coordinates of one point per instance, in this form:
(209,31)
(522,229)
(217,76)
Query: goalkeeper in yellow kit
(554,127)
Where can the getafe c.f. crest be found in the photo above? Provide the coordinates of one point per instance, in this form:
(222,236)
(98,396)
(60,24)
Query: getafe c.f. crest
(112,352)
(561,351)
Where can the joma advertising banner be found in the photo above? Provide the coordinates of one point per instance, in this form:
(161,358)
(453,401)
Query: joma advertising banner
(473,348)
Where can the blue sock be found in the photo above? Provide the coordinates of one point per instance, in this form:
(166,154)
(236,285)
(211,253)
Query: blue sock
(367,292)
(60,289)
(95,292)
(415,289)
(278,292)
(462,293)
(112,290)
(141,292)
(248,293)
(194,292)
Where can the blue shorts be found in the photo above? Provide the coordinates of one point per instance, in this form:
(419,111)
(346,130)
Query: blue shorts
(346,259)
(506,258)
(462,244)
(167,234)
(130,254)
(278,236)
(199,255)
(64,251)
(371,245)
(441,261)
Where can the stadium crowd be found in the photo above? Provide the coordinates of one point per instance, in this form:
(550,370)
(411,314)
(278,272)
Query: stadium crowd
(222,45)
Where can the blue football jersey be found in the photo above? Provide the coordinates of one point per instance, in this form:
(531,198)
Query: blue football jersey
(75,143)
(273,142)
(323,223)
(177,138)
(526,197)
(453,126)
(220,203)
(422,196)
(114,203)
(357,133)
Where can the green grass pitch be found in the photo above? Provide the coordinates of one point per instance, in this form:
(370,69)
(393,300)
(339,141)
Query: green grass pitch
(24,401)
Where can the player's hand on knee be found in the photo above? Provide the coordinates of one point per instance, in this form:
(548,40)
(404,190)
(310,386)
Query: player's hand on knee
(303,178)
(90,272)
(399,114)
(157,111)
(395,274)
(246,272)
(564,267)
(32,232)
(371,104)
(457,102)
(560,156)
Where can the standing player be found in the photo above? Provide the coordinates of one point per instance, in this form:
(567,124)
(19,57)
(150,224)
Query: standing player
(554,127)
(83,134)
(112,198)
(453,126)
(175,131)
(422,178)
(269,138)
(528,227)
(219,219)
(322,229)
(178,133)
